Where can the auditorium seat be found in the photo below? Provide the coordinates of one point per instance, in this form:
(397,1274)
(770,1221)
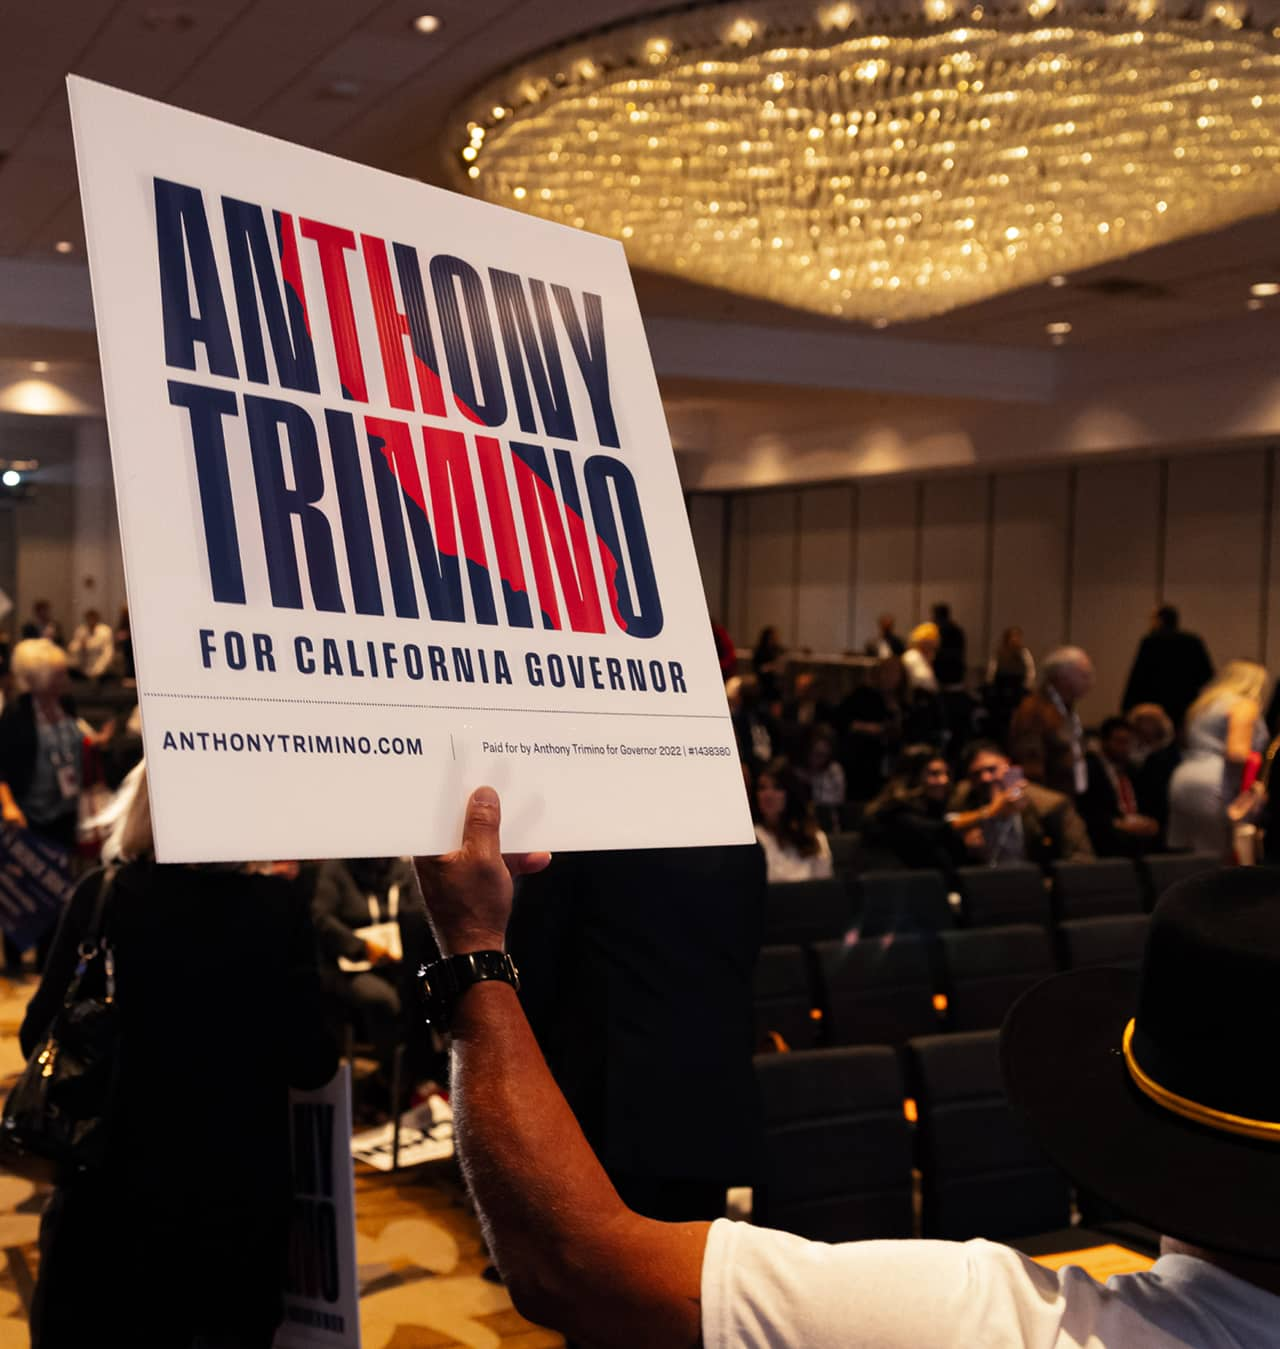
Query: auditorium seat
(1116,939)
(876,990)
(844,854)
(783,1001)
(1094,889)
(987,969)
(837,1157)
(903,902)
(982,1176)
(1162,871)
(997,896)
(800,912)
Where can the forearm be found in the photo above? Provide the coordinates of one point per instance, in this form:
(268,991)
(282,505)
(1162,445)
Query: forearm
(573,1255)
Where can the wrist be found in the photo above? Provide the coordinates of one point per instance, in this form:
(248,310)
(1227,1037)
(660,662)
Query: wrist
(459,941)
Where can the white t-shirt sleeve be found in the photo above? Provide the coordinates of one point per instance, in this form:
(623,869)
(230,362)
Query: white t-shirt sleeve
(763,1289)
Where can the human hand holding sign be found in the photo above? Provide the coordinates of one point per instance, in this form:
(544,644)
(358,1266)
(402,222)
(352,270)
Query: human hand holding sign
(546,1205)
(468,892)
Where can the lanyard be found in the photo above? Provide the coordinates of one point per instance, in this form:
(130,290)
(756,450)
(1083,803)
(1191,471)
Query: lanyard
(393,906)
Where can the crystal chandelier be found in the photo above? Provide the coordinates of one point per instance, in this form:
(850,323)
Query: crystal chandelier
(886,164)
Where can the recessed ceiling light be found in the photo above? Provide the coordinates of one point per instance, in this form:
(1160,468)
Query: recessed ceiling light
(64,246)
(11,477)
(426,23)
(39,366)
(1254,304)
(1058,280)
(1057,329)
(879,323)
(1261,288)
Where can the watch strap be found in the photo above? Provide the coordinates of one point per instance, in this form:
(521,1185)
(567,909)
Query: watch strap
(445,981)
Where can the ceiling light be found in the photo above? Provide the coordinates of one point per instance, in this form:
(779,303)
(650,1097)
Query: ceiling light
(426,23)
(39,366)
(11,477)
(1057,329)
(64,246)
(1254,304)
(911,163)
(1264,288)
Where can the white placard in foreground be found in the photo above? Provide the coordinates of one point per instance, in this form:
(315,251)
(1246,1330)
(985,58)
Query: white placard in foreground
(399,509)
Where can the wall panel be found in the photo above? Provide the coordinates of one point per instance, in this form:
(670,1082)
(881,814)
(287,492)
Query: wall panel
(886,555)
(736,581)
(1214,543)
(706,522)
(824,558)
(1115,570)
(771,566)
(1029,556)
(953,555)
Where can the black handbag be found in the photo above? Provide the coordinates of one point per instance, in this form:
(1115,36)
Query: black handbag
(57,1115)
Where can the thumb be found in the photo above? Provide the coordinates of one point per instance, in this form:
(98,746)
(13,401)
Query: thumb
(481,826)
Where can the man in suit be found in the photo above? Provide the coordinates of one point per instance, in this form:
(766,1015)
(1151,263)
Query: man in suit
(1046,738)
(1170,669)
(949,665)
(1002,820)
(636,973)
(1110,808)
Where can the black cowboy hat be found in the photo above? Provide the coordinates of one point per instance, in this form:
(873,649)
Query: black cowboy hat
(1160,1092)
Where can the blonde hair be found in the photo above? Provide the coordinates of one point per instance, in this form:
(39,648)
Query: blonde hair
(926,632)
(1237,679)
(35,664)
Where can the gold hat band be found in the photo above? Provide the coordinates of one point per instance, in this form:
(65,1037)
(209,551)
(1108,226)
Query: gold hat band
(1193,1110)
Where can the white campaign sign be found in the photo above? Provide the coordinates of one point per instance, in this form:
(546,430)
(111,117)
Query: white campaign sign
(399,509)
(322,1288)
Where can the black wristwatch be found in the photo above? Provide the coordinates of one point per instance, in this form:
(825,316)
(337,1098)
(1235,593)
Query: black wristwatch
(445,981)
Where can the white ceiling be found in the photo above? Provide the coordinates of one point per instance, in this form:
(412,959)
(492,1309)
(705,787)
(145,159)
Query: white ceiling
(353,78)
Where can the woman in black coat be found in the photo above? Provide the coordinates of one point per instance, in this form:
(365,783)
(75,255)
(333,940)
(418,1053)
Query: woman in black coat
(180,1239)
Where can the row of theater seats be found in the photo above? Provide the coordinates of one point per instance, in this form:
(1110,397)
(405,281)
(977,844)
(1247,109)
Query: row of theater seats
(846,1127)
(901,968)
(878,902)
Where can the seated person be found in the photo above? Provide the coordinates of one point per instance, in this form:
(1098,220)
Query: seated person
(825,778)
(1156,755)
(1110,804)
(1002,818)
(363,969)
(795,849)
(908,820)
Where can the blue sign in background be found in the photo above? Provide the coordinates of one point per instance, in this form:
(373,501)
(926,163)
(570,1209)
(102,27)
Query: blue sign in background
(35,882)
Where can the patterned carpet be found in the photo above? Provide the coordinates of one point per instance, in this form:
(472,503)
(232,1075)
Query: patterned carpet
(417,1244)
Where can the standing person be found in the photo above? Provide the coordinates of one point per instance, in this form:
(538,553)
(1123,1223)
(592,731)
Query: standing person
(41,746)
(1152,1090)
(886,644)
(179,1240)
(92,647)
(918,661)
(124,645)
(726,652)
(1011,675)
(1170,668)
(1110,808)
(1046,738)
(42,624)
(1224,727)
(873,715)
(795,849)
(636,974)
(768,661)
(950,665)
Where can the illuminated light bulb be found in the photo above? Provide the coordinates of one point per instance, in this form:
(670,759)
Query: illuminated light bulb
(836,16)
(1058,280)
(64,246)
(469,152)
(40,366)
(519,193)
(938,11)
(1248,304)
(741,32)
(1057,329)
(1260,289)
(426,23)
